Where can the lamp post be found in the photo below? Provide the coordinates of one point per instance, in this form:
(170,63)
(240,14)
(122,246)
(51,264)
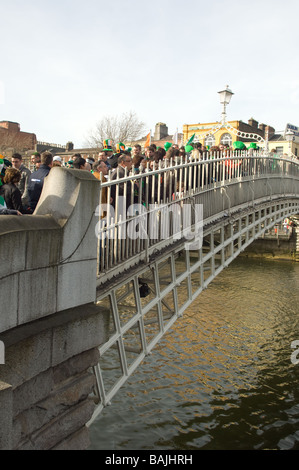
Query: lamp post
(225,97)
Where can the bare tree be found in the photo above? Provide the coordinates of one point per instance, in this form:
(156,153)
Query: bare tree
(124,128)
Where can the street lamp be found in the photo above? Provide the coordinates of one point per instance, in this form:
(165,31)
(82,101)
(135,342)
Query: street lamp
(225,97)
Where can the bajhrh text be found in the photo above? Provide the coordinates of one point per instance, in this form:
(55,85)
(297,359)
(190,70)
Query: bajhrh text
(152,459)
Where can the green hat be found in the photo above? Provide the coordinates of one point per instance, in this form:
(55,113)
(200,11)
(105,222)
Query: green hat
(120,147)
(239,145)
(188,148)
(253,146)
(107,144)
(167,146)
(129,149)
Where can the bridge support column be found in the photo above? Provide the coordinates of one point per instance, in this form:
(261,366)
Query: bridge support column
(46,393)
(229,249)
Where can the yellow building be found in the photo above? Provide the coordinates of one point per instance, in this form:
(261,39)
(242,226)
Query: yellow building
(286,143)
(214,133)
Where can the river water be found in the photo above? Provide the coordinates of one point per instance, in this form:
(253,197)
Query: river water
(224,377)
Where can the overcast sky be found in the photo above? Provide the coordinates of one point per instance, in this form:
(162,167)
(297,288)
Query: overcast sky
(66,64)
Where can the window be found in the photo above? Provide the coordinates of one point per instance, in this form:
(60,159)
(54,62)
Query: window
(226,139)
(210,141)
(279,150)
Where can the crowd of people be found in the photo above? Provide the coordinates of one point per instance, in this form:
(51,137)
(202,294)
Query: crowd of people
(21,187)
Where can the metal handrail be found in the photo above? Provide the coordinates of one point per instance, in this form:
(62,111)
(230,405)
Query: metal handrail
(172,186)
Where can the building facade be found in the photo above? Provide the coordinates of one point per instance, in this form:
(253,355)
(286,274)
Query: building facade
(12,139)
(211,134)
(287,142)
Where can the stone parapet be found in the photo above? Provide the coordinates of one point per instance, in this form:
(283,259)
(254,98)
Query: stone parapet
(48,260)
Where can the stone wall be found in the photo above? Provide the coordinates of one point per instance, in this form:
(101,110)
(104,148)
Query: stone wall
(49,322)
(47,384)
(275,248)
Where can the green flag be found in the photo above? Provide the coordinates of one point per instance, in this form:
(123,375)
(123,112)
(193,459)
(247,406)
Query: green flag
(190,140)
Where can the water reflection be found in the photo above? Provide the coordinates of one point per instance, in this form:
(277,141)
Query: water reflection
(222,378)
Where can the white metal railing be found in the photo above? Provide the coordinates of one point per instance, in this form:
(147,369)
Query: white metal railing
(140,217)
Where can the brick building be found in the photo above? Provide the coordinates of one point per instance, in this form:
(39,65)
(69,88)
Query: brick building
(12,139)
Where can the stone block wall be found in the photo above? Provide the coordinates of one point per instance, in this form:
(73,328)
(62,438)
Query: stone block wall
(49,323)
(47,381)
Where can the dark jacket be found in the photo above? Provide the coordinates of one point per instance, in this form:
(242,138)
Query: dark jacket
(12,196)
(35,184)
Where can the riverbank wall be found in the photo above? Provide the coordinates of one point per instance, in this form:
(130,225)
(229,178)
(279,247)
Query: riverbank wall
(275,246)
(50,325)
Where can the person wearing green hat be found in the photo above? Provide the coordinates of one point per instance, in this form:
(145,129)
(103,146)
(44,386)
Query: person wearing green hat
(239,145)
(188,148)
(107,145)
(253,146)
(113,160)
(120,147)
(107,149)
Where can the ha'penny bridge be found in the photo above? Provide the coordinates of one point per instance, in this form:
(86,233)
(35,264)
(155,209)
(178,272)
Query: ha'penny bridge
(183,232)
(101,271)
